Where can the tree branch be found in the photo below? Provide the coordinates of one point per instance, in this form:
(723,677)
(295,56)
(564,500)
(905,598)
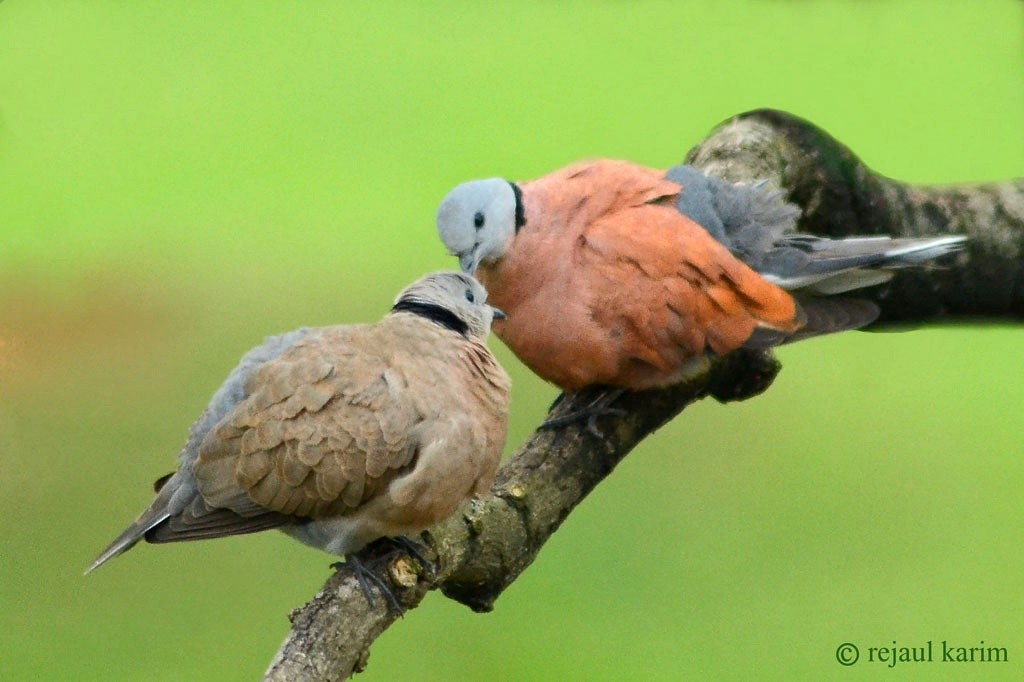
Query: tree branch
(840,196)
(486,545)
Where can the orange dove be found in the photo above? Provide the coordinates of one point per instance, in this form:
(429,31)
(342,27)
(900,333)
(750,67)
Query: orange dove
(618,275)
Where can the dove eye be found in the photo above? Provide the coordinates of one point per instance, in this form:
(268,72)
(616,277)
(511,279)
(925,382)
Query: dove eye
(469,296)
(478,220)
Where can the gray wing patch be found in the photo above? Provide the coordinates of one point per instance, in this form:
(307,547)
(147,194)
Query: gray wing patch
(757,225)
(748,219)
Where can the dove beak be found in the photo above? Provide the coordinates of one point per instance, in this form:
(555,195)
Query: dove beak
(469,262)
(499,314)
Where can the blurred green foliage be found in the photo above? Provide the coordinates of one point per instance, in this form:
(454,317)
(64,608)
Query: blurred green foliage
(178,180)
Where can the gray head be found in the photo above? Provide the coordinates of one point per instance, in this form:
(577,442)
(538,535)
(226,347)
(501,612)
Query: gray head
(451,299)
(478,219)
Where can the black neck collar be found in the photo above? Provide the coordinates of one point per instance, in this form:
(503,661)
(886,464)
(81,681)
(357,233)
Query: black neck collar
(434,313)
(520,211)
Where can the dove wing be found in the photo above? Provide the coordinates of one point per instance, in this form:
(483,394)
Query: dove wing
(675,287)
(322,429)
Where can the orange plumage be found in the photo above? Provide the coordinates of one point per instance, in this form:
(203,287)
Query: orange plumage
(609,284)
(608,278)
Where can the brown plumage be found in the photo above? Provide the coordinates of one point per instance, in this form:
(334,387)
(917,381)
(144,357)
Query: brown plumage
(608,278)
(345,434)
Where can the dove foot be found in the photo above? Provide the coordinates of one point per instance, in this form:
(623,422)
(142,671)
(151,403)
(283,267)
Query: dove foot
(367,579)
(414,549)
(591,412)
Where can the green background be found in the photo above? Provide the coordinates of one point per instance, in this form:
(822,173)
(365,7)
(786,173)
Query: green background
(178,180)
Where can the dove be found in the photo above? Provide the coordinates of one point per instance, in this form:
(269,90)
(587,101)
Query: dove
(618,275)
(342,435)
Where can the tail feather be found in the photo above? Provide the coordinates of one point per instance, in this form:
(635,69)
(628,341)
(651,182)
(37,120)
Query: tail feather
(215,523)
(821,316)
(831,315)
(832,266)
(848,280)
(917,251)
(129,537)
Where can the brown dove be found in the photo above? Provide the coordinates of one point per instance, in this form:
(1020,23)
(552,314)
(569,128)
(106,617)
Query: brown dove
(342,435)
(620,275)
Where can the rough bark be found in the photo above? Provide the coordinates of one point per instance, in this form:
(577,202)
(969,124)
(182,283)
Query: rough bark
(840,196)
(489,542)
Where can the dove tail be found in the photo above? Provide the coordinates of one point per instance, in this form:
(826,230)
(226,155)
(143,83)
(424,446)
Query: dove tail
(129,537)
(822,266)
(820,315)
(906,252)
(831,315)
